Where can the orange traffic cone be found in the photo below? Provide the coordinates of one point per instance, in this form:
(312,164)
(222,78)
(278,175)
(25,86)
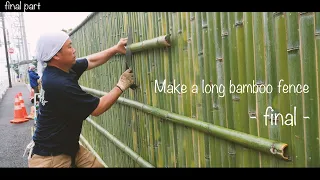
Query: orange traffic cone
(23,107)
(18,114)
(32,114)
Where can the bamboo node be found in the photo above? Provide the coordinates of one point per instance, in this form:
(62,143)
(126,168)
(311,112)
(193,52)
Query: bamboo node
(192,18)
(238,24)
(236,97)
(223,34)
(252,114)
(179,31)
(317,34)
(219,59)
(302,13)
(215,106)
(200,53)
(277,13)
(204,26)
(293,49)
(260,83)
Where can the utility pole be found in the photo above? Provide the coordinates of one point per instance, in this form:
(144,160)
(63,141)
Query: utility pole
(6,49)
(24,37)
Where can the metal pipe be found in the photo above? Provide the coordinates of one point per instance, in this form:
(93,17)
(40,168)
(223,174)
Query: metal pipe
(258,143)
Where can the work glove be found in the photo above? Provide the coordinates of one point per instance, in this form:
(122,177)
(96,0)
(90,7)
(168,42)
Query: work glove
(126,80)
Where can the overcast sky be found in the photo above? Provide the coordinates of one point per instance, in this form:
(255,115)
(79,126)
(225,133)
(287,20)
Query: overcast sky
(39,22)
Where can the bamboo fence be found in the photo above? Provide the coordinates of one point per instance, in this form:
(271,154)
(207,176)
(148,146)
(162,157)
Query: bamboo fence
(166,123)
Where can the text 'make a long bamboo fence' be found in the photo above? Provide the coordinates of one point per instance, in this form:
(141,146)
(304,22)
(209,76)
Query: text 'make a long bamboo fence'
(257,77)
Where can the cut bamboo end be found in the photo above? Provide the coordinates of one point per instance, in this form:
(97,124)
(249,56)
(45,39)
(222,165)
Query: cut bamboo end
(280,150)
(158,42)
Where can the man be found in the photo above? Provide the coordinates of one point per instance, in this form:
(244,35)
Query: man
(34,80)
(64,105)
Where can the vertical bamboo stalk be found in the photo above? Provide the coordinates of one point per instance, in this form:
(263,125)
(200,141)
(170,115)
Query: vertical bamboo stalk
(271,68)
(150,91)
(260,69)
(317,39)
(222,160)
(235,152)
(195,65)
(179,145)
(187,147)
(283,105)
(146,93)
(190,155)
(243,103)
(210,72)
(138,92)
(213,116)
(162,25)
(174,27)
(200,96)
(172,63)
(208,108)
(158,99)
(297,135)
(310,109)
(228,99)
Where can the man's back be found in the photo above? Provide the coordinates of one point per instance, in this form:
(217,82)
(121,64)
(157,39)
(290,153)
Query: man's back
(63,107)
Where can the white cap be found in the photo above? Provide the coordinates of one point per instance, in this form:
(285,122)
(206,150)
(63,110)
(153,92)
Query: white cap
(48,45)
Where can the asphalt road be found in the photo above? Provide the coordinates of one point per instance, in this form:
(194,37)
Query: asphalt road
(14,137)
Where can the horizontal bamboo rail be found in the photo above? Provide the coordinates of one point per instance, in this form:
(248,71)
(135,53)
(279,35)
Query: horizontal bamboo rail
(158,42)
(258,143)
(138,159)
(87,144)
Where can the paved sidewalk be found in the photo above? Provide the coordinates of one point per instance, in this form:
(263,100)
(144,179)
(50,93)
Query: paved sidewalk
(14,137)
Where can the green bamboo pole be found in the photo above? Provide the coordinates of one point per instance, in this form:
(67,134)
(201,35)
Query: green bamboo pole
(283,105)
(317,39)
(262,144)
(226,73)
(187,149)
(149,86)
(146,92)
(164,98)
(138,159)
(176,105)
(145,132)
(206,96)
(213,114)
(250,76)
(271,68)
(137,93)
(260,80)
(200,97)
(179,29)
(222,153)
(87,144)
(135,116)
(243,125)
(236,152)
(195,81)
(158,42)
(158,96)
(120,111)
(310,105)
